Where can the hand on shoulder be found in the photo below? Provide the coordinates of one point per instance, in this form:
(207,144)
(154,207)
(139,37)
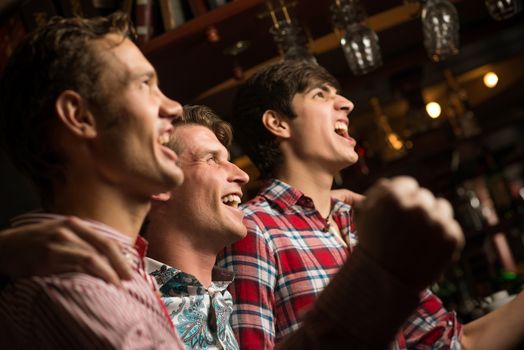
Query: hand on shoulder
(58,246)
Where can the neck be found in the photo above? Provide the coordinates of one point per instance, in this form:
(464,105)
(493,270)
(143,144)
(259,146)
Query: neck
(175,247)
(312,180)
(103,203)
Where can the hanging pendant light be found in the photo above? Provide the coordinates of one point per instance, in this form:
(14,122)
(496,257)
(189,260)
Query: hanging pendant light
(290,41)
(288,36)
(359,43)
(361,49)
(503,9)
(440,27)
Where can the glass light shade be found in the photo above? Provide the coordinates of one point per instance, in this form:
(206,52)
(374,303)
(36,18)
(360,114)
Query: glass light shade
(361,48)
(440,27)
(346,12)
(290,41)
(503,9)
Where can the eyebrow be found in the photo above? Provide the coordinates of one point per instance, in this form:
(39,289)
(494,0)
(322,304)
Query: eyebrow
(151,74)
(214,152)
(326,87)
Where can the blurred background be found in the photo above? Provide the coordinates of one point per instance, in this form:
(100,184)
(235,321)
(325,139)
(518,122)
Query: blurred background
(438,88)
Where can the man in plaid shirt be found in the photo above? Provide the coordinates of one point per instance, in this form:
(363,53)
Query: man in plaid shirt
(291,121)
(191,223)
(202,209)
(364,304)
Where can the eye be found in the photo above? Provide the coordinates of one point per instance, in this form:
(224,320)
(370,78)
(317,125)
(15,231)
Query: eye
(212,159)
(145,82)
(319,94)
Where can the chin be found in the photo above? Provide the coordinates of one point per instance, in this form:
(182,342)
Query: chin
(352,158)
(237,234)
(347,163)
(177,178)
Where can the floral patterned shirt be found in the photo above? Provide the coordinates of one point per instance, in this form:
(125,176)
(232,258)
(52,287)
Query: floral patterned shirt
(201,316)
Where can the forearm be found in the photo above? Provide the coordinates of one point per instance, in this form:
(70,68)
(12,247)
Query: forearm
(362,308)
(500,329)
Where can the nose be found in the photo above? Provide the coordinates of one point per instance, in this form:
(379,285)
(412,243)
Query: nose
(238,175)
(169,108)
(344,104)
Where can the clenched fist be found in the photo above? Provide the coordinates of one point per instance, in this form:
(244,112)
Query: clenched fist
(408,231)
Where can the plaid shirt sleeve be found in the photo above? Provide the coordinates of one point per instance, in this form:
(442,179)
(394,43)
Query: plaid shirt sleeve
(356,311)
(431,326)
(253,261)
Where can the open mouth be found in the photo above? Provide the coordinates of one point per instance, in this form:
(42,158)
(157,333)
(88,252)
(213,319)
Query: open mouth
(163,139)
(341,129)
(231,200)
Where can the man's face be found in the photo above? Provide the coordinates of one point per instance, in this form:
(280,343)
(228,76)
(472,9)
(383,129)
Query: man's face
(319,133)
(206,204)
(135,123)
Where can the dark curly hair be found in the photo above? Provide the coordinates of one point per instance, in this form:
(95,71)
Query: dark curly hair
(271,88)
(56,57)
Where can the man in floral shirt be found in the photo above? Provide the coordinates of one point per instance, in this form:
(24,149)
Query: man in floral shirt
(190,224)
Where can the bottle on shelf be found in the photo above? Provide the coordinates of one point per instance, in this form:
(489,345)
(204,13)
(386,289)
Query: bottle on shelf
(394,145)
(460,114)
(467,210)
(467,205)
(497,186)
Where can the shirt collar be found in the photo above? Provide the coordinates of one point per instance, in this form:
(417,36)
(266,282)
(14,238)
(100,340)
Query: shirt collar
(284,196)
(170,279)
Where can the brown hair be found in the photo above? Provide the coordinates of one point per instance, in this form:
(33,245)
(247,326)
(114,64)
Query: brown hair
(55,57)
(204,116)
(271,88)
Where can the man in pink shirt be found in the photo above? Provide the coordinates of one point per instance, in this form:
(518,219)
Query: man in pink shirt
(100,158)
(83,117)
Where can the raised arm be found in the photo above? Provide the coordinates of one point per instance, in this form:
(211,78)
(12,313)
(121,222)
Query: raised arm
(60,246)
(407,237)
(501,329)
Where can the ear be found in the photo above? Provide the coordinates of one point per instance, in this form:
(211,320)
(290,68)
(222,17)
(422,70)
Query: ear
(276,124)
(161,197)
(74,113)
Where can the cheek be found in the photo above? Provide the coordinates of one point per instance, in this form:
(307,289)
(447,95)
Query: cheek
(196,188)
(139,115)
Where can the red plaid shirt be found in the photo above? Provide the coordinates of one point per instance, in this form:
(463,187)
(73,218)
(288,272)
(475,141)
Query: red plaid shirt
(287,258)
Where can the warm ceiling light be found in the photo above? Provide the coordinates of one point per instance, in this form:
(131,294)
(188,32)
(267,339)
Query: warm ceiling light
(433,109)
(490,79)
(395,141)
